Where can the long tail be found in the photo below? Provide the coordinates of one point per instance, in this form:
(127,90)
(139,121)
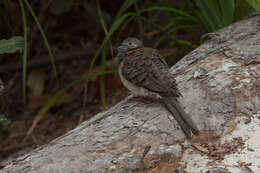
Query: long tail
(186,123)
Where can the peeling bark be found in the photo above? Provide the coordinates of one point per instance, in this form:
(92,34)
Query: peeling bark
(220,83)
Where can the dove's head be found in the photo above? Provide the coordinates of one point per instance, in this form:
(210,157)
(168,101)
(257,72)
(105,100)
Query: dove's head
(127,45)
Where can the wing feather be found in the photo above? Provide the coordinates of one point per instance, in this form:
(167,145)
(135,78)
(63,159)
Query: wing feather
(146,68)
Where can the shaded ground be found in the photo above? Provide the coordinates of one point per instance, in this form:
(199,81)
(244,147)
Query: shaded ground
(66,114)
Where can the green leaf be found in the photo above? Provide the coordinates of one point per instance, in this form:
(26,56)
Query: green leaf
(24,73)
(255,4)
(4,120)
(215,14)
(12,45)
(227,10)
(205,15)
(241,9)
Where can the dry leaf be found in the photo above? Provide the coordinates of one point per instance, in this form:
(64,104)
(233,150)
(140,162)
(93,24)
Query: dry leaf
(36,82)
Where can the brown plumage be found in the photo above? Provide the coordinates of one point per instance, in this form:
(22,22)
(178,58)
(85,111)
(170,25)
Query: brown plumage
(145,73)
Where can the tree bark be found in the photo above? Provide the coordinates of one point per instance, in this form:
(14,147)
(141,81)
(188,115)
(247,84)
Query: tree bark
(220,84)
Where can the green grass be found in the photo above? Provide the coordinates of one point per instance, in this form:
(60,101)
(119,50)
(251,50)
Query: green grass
(46,43)
(255,4)
(24,73)
(215,14)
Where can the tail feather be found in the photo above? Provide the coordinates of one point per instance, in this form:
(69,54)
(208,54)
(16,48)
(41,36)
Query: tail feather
(186,123)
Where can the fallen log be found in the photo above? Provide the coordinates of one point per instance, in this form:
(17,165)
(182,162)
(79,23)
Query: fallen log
(220,84)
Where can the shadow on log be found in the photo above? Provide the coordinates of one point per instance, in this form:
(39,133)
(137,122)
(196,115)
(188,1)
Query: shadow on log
(220,83)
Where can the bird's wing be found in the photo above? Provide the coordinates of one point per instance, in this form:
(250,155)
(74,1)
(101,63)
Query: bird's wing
(145,68)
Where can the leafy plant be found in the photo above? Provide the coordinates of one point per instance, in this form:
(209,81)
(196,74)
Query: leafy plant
(12,45)
(4,120)
(215,14)
(254,4)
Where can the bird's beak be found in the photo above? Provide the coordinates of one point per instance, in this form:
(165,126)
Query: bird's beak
(120,54)
(122,49)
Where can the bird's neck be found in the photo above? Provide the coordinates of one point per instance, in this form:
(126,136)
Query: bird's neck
(133,51)
(120,56)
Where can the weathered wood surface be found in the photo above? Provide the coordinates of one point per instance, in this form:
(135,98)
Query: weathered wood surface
(220,82)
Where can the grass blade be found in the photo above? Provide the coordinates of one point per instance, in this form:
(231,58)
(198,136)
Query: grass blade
(215,13)
(178,42)
(227,10)
(166,34)
(104,25)
(113,28)
(204,15)
(24,52)
(124,7)
(102,78)
(52,100)
(123,27)
(171,10)
(255,4)
(44,40)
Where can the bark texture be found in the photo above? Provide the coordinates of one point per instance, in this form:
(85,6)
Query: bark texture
(220,84)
